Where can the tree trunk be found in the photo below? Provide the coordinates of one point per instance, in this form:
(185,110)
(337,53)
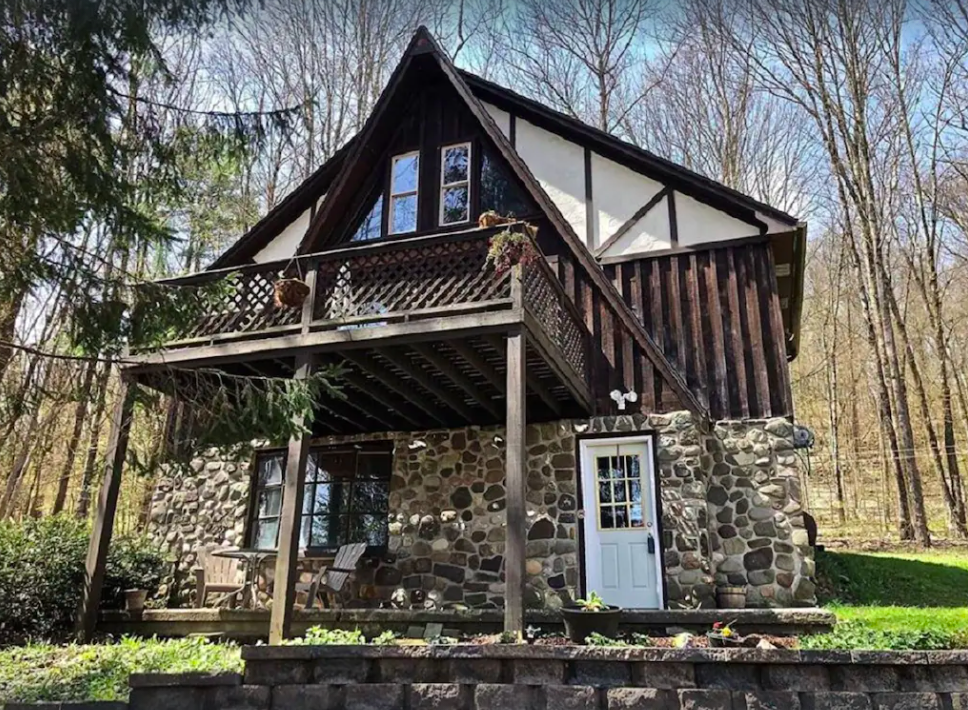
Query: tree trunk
(80,410)
(87,477)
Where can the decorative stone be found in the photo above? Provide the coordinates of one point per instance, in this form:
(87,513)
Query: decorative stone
(758,559)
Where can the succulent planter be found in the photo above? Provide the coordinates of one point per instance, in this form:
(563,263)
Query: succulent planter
(731,597)
(290,293)
(580,624)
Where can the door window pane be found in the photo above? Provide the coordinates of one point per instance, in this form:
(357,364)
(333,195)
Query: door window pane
(620,492)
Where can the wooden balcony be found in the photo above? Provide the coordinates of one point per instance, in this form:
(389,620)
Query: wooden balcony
(419,325)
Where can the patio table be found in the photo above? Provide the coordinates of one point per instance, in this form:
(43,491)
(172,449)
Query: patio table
(251,562)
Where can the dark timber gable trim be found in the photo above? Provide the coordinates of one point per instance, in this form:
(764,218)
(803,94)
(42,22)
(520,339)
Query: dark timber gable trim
(632,221)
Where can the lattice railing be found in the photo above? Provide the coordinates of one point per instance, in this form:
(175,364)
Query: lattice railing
(411,280)
(238,301)
(557,316)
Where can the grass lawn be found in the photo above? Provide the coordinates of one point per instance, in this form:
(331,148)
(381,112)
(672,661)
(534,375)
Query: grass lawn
(895,600)
(100,671)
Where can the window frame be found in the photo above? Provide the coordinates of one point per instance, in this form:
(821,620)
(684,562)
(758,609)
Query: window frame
(392,195)
(466,182)
(252,518)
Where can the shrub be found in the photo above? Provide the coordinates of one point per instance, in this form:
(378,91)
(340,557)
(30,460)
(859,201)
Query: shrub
(42,575)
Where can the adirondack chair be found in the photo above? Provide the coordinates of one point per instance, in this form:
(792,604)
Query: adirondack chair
(331,579)
(217,575)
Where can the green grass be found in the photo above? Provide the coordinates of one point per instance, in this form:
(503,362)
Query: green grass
(100,671)
(894,600)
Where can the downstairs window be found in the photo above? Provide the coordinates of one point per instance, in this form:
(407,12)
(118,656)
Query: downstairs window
(345,497)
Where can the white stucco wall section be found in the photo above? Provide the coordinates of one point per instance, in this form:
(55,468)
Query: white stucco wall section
(559,166)
(285,244)
(617,193)
(501,118)
(699,223)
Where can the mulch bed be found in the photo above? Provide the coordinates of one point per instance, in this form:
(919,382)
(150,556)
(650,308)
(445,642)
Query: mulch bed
(696,641)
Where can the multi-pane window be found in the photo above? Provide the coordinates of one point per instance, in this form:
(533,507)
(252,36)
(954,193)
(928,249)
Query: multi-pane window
(345,498)
(619,492)
(404,181)
(497,191)
(455,193)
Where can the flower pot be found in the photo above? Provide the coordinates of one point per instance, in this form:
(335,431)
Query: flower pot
(731,597)
(290,293)
(720,641)
(134,600)
(580,624)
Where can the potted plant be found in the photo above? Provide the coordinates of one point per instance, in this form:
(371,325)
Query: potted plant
(590,616)
(490,218)
(509,248)
(134,601)
(723,636)
(731,597)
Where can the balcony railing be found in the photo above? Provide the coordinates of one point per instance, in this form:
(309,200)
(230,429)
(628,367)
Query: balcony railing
(370,285)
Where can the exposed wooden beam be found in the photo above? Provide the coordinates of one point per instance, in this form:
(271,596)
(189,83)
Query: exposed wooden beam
(409,394)
(673,220)
(284,592)
(448,369)
(328,340)
(590,213)
(379,397)
(533,383)
(516,517)
(427,381)
(632,221)
(332,410)
(107,505)
(477,361)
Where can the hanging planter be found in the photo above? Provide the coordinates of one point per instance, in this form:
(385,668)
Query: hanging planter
(509,248)
(290,293)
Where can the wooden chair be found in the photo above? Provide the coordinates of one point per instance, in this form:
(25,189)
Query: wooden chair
(331,579)
(217,575)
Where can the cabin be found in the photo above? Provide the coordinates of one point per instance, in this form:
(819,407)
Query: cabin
(610,411)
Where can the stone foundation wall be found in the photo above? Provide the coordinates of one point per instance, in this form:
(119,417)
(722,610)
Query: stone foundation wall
(730,514)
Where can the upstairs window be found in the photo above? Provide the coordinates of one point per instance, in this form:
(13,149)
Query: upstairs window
(498,192)
(404,181)
(371,226)
(455,193)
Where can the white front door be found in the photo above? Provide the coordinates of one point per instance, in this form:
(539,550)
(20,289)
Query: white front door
(621,532)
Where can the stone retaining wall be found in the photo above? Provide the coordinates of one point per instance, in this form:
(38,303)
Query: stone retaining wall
(730,500)
(546,678)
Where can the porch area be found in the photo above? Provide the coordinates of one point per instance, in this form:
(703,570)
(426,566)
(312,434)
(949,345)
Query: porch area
(253,625)
(425,333)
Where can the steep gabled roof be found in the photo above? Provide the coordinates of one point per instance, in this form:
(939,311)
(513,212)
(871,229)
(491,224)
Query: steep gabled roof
(351,176)
(282,215)
(671,174)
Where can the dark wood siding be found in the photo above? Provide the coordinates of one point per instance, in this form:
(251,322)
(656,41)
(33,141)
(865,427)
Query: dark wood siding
(716,316)
(617,359)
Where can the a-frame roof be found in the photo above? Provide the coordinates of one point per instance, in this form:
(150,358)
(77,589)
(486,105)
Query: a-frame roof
(354,170)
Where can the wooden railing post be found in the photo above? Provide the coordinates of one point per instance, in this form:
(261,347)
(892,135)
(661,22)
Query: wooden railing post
(516,517)
(517,287)
(309,305)
(107,505)
(284,592)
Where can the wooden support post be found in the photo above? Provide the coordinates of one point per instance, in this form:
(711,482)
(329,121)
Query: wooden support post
(107,505)
(515,482)
(284,592)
